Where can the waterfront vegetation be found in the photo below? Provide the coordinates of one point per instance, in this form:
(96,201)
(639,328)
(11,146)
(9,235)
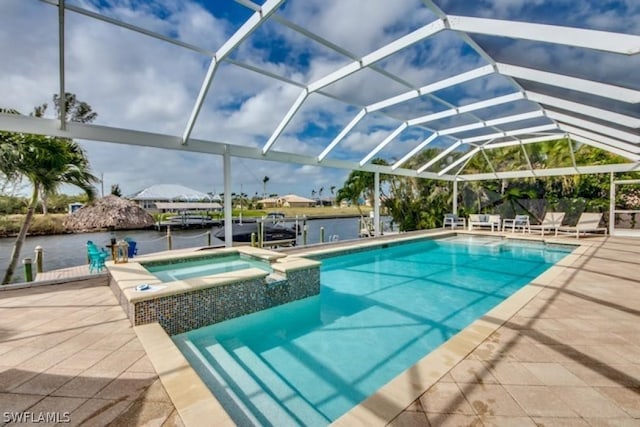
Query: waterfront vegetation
(40,224)
(416,203)
(46,162)
(52,223)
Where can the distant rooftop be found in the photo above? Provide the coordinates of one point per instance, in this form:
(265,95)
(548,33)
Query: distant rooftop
(172,193)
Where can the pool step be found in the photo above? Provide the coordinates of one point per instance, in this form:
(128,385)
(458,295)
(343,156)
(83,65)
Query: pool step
(285,395)
(274,397)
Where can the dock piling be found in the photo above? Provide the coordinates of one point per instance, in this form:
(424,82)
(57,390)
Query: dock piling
(39,261)
(28,269)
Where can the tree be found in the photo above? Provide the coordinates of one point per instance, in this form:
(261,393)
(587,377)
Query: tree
(360,184)
(46,163)
(115,190)
(264,186)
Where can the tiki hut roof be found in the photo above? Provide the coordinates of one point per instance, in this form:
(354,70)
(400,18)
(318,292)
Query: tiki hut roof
(108,212)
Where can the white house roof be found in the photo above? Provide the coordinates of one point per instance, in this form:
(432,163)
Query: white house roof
(387,81)
(170,193)
(296,199)
(188,205)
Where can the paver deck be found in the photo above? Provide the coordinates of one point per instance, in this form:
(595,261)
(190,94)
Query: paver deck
(68,351)
(570,357)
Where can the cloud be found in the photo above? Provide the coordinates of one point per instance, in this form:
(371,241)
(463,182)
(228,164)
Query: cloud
(377,23)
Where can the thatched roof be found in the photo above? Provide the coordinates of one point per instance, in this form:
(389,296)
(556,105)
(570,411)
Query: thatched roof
(110,211)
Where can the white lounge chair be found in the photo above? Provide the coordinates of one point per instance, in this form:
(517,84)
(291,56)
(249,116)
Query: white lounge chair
(520,221)
(589,222)
(453,221)
(551,222)
(480,220)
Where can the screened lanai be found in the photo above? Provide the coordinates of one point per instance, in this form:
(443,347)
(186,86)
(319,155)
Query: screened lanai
(338,84)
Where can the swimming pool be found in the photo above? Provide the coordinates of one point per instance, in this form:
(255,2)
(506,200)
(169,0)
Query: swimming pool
(379,311)
(188,268)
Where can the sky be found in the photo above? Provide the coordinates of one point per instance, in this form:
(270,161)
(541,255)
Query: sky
(137,82)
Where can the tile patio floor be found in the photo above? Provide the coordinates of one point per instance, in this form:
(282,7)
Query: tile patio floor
(70,348)
(571,357)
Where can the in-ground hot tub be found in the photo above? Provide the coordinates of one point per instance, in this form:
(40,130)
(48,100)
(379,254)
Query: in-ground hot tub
(207,265)
(189,290)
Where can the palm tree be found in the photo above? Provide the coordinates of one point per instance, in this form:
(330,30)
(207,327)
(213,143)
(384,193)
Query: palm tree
(264,186)
(47,163)
(115,190)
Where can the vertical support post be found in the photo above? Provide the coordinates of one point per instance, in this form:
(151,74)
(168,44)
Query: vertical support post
(455,197)
(376,203)
(228,219)
(321,234)
(169,238)
(208,238)
(253,240)
(612,206)
(260,233)
(63,97)
(304,232)
(39,261)
(28,269)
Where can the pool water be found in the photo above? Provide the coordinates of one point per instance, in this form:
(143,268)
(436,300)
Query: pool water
(171,272)
(378,313)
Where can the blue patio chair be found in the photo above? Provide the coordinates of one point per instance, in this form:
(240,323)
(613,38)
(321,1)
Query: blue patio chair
(96,257)
(133,249)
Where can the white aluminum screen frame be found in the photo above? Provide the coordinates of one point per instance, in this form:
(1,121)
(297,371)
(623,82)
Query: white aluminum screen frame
(589,127)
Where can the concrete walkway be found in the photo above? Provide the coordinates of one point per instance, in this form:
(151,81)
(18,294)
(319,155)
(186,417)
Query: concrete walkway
(68,351)
(570,357)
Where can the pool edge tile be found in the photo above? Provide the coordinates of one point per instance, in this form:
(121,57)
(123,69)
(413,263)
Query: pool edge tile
(190,396)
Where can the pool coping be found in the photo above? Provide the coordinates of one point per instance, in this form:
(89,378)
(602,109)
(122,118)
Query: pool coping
(127,276)
(194,401)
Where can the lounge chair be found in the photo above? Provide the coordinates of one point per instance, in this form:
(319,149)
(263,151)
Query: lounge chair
(520,221)
(479,220)
(551,222)
(453,221)
(589,222)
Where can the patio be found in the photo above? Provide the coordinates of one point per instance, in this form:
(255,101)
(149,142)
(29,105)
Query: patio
(570,356)
(70,349)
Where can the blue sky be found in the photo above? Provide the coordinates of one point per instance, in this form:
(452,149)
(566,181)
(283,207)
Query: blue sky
(137,82)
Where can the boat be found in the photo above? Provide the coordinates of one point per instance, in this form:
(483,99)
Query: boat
(187,221)
(272,233)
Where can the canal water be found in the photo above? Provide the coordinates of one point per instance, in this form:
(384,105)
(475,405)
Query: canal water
(69,250)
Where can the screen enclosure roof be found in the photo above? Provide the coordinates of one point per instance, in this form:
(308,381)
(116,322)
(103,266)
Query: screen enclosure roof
(339,83)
